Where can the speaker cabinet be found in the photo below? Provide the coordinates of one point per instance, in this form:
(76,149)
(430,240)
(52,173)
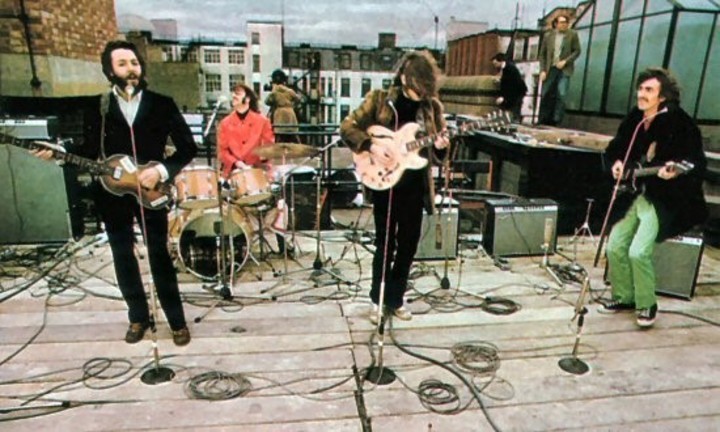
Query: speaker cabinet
(677,263)
(519,227)
(303,194)
(439,236)
(34,200)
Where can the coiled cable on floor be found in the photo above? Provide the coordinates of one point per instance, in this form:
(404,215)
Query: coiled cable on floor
(216,385)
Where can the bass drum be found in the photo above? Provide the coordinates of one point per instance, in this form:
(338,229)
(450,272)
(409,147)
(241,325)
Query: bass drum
(200,249)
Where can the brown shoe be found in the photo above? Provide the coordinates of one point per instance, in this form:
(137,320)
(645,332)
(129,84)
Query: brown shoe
(136,332)
(181,337)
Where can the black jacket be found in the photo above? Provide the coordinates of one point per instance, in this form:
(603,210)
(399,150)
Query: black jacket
(679,202)
(512,86)
(157,119)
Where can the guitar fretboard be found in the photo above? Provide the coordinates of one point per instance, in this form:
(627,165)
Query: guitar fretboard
(90,165)
(450,133)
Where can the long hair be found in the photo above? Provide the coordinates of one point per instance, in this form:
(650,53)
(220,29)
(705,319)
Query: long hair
(106,59)
(669,87)
(249,93)
(421,73)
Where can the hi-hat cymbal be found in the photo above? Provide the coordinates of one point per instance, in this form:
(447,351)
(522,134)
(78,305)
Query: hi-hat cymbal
(289,150)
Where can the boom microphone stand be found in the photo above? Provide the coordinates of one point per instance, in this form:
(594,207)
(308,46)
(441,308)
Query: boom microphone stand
(225,290)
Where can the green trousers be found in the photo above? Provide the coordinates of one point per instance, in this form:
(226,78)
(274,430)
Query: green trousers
(629,253)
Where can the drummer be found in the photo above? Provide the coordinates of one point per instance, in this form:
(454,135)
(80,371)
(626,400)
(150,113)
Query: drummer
(242,131)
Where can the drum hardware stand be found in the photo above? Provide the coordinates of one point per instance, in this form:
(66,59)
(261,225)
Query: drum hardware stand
(318,268)
(573,364)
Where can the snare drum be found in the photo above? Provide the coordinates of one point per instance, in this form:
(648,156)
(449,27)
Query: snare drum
(250,186)
(196,188)
(200,249)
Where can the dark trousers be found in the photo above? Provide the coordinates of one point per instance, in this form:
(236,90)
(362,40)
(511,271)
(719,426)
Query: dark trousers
(403,236)
(118,214)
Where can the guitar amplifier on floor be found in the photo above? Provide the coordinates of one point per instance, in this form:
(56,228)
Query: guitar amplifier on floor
(519,226)
(677,263)
(439,235)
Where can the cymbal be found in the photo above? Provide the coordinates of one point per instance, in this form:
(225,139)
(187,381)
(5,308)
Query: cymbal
(289,150)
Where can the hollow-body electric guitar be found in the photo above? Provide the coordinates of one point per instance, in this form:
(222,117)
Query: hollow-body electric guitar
(403,149)
(117,174)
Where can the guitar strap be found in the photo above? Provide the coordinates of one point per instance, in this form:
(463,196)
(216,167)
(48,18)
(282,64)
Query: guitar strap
(104,108)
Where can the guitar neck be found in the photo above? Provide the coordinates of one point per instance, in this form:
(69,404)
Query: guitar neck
(449,133)
(90,165)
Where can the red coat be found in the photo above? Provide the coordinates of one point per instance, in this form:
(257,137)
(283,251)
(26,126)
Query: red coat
(237,138)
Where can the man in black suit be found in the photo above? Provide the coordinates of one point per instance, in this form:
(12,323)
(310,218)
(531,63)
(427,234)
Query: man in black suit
(134,121)
(512,86)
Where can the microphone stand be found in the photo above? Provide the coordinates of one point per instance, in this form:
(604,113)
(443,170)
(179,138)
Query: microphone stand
(211,120)
(225,290)
(573,364)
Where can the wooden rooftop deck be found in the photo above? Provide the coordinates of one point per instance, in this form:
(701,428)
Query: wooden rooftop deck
(291,354)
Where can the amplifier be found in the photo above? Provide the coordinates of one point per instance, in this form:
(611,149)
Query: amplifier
(439,235)
(30,128)
(677,263)
(519,226)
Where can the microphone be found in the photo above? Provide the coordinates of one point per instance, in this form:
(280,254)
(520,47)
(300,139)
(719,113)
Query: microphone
(221,100)
(390,103)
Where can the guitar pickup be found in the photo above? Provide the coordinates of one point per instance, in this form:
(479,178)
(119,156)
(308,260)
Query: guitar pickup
(128,165)
(117,173)
(159,202)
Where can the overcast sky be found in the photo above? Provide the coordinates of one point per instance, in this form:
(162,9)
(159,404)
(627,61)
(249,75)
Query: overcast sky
(338,21)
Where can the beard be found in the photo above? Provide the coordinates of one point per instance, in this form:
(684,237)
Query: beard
(124,82)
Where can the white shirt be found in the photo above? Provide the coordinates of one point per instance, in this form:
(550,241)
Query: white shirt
(129,110)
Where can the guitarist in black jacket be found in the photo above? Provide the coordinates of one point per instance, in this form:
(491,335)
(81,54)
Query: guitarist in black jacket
(669,203)
(134,121)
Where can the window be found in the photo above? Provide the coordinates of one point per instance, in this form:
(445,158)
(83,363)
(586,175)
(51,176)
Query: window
(236,56)
(188,55)
(331,114)
(344,111)
(256,63)
(236,79)
(386,83)
(366,86)
(256,88)
(330,87)
(167,54)
(365,62)
(213,82)
(255,38)
(323,82)
(345,87)
(212,56)
(343,60)
(293,59)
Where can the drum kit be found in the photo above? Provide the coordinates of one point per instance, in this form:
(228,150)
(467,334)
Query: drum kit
(251,200)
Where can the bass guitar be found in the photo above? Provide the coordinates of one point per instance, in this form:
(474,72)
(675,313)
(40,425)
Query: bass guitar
(117,174)
(403,149)
(630,176)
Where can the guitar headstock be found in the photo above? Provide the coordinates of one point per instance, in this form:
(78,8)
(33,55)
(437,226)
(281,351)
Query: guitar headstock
(496,121)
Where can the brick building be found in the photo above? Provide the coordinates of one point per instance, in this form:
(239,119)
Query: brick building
(52,48)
